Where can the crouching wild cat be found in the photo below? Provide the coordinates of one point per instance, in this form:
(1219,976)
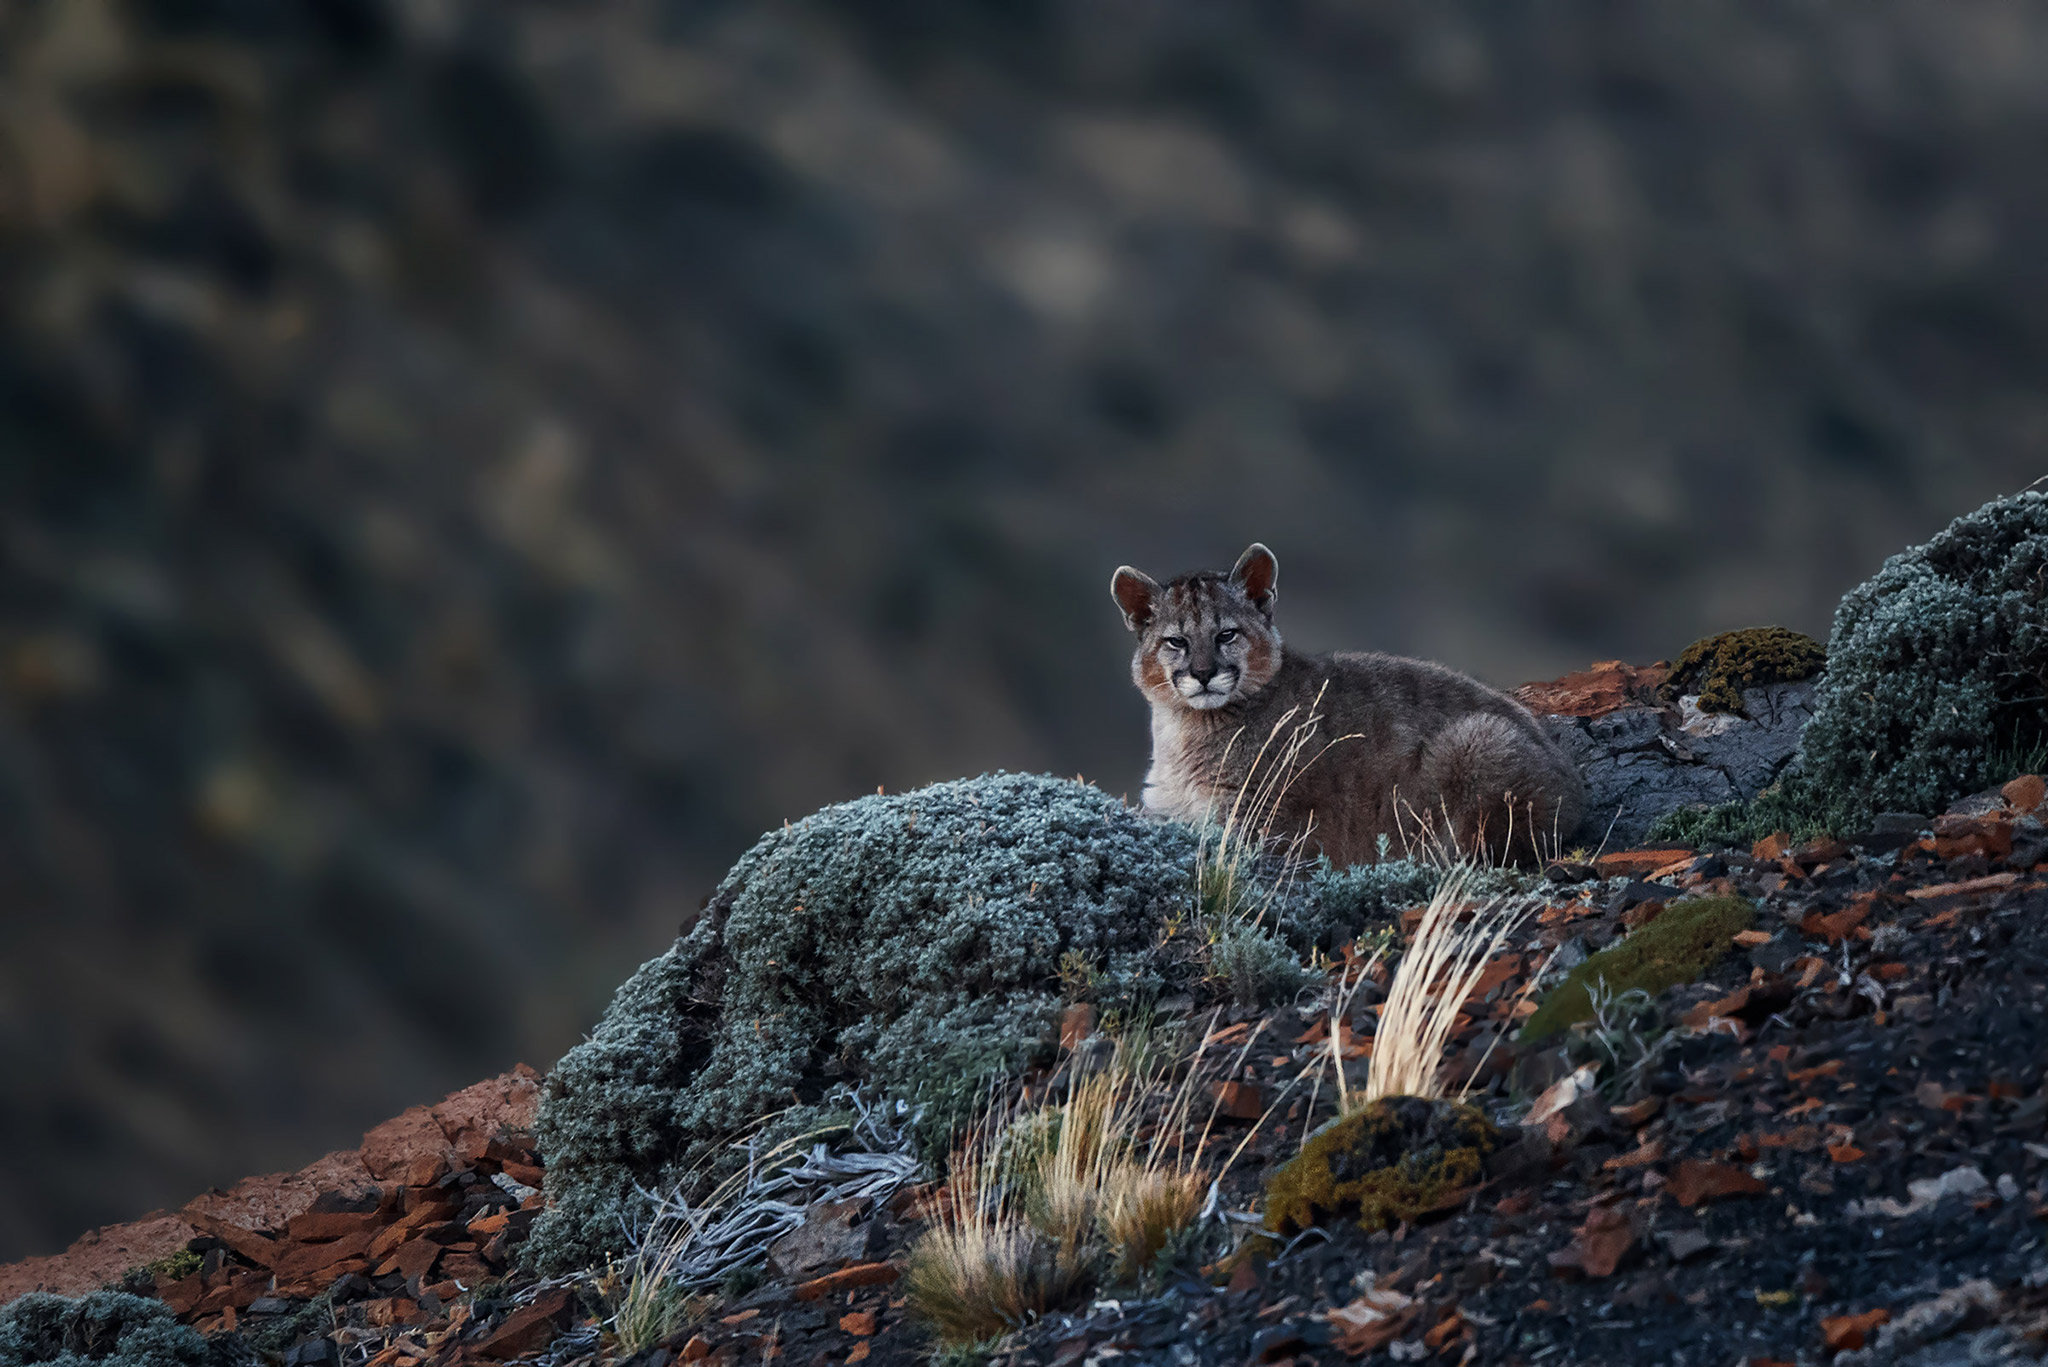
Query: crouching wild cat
(1420,751)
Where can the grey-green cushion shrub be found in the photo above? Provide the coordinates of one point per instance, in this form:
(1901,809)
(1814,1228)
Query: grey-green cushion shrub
(108,1327)
(1327,905)
(1259,967)
(1936,665)
(910,943)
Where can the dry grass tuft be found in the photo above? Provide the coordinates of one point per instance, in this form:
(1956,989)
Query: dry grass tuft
(1144,1209)
(648,1304)
(1435,977)
(1094,1186)
(982,1269)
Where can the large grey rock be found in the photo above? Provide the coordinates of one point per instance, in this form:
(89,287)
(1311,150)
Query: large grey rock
(1640,762)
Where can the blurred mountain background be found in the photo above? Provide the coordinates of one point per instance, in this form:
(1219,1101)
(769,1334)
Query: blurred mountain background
(468,465)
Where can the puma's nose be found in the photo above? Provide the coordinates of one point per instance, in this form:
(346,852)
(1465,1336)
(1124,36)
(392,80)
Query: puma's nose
(1202,676)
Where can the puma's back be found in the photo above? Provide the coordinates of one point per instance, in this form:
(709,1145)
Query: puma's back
(1414,750)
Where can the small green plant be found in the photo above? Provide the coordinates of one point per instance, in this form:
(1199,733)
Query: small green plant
(1678,947)
(975,1354)
(741,1280)
(1080,975)
(1792,805)
(644,1301)
(174,1266)
(1626,1036)
(1259,967)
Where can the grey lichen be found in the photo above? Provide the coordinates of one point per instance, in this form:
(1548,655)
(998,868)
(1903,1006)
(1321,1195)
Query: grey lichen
(1937,663)
(108,1328)
(911,943)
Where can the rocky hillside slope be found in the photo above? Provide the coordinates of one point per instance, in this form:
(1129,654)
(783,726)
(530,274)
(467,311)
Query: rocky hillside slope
(1824,1150)
(434,430)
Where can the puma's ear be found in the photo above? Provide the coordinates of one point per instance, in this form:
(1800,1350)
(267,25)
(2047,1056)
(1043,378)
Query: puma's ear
(1258,575)
(1135,594)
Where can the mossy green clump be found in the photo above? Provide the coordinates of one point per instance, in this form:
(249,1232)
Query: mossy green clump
(1937,666)
(174,1266)
(1678,947)
(1720,667)
(911,944)
(111,1328)
(1392,1160)
(1793,806)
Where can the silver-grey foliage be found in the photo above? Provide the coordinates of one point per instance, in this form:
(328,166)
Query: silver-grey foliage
(911,942)
(99,1329)
(1937,664)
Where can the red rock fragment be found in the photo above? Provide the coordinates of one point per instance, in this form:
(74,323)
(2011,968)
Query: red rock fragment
(526,1330)
(1239,1100)
(245,1243)
(846,1279)
(414,1259)
(1606,686)
(298,1262)
(391,1149)
(315,1226)
(1660,862)
(1697,1181)
(859,1323)
(1837,926)
(697,1349)
(474,1117)
(1772,847)
(1845,1333)
(1597,1246)
(183,1295)
(2025,793)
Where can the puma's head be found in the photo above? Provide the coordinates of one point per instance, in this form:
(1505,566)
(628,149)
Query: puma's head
(1204,640)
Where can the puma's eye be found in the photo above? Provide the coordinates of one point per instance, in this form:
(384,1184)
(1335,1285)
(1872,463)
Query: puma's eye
(1175,643)
(1224,638)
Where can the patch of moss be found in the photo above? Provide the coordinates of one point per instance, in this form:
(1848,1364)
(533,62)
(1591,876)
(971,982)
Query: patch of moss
(173,1266)
(1678,947)
(910,943)
(1937,666)
(1392,1160)
(101,1328)
(1718,668)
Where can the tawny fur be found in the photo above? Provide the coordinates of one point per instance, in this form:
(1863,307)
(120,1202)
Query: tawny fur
(1429,754)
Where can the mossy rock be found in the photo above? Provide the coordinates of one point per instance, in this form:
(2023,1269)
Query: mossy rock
(910,944)
(101,1328)
(1938,667)
(1720,667)
(1392,1160)
(1678,947)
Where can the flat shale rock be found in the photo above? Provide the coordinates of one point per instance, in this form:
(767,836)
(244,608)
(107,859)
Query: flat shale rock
(1641,759)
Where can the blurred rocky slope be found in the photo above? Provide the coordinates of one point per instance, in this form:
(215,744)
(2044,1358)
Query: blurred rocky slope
(472,463)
